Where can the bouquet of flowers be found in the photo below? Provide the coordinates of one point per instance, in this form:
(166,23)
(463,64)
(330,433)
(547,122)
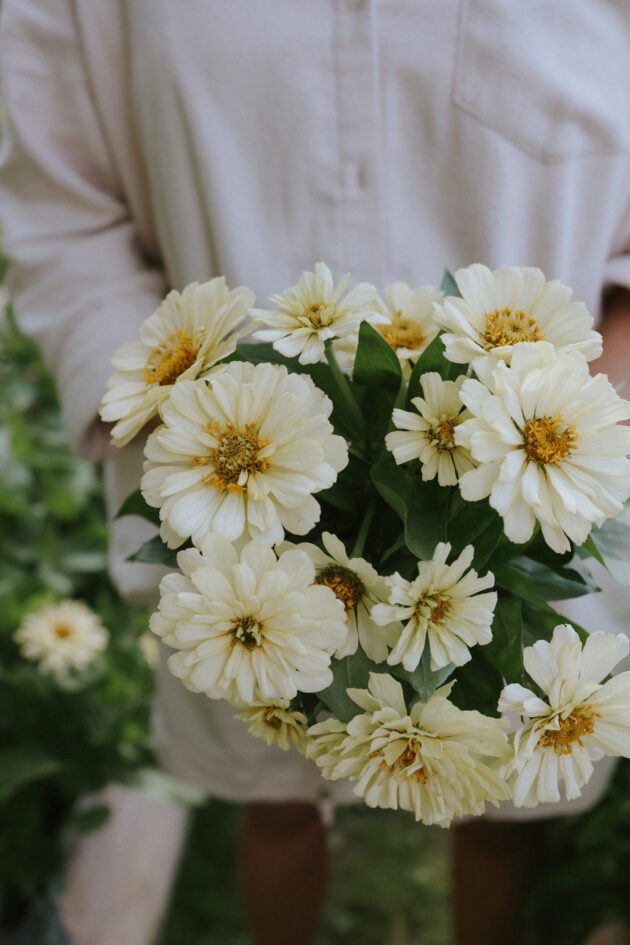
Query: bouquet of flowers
(375,503)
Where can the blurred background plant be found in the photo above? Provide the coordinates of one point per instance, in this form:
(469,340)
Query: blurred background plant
(60,743)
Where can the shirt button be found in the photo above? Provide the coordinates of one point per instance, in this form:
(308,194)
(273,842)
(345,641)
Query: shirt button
(354,4)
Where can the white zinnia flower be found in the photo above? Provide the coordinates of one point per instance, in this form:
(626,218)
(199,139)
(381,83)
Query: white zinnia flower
(241,454)
(276,723)
(62,637)
(428,435)
(582,720)
(249,627)
(410,327)
(184,338)
(359,587)
(436,760)
(544,435)
(512,304)
(442,606)
(313,311)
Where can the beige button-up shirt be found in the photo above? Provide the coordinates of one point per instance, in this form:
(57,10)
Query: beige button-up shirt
(150,143)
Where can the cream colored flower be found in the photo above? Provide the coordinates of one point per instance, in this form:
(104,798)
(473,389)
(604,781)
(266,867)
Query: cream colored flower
(313,311)
(242,454)
(277,724)
(429,434)
(184,338)
(443,607)
(359,587)
(249,627)
(410,327)
(62,638)
(546,439)
(582,719)
(435,760)
(512,304)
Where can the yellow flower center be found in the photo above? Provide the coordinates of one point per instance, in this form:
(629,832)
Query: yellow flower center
(248,632)
(62,631)
(443,435)
(508,326)
(170,358)
(581,722)
(410,756)
(347,586)
(549,439)
(402,333)
(438,605)
(235,458)
(318,314)
(271,719)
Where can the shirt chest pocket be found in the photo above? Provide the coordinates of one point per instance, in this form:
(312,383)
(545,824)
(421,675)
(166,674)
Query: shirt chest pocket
(552,76)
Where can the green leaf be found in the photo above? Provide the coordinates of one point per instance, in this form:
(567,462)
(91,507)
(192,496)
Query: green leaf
(154,551)
(478,684)
(22,766)
(505,650)
(610,545)
(476,524)
(432,359)
(392,482)
(135,504)
(448,284)
(351,672)
(426,518)
(376,363)
(90,818)
(517,583)
(423,680)
(540,622)
(560,584)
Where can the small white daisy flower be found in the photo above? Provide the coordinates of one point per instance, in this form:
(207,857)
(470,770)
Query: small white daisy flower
(249,627)
(62,638)
(435,760)
(512,304)
(276,724)
(242,454)
(429,434)
(548,444)
(443,607)
(581,720)
(410,327)
(359,587)
(184,338)
(313,311)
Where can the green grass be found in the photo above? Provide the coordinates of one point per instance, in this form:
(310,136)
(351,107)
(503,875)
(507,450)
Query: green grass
(389,884)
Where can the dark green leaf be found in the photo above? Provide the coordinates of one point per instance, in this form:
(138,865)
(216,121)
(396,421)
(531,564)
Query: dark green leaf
(610,545)
(376,363)
(154,551)
(505,650)
(477,524)
(478,684)
(134,504)
(425,522)
(560,584)
(540,622)
(351,672)
(392,482)
(90,818)
(423,680)
(22,766)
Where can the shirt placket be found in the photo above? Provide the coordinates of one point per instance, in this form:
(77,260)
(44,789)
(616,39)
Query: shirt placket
(358,100)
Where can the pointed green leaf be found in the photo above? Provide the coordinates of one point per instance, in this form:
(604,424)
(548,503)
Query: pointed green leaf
(351,672)
(423,680)
(154,551)
(376,363)
(448,284)
(134,504)
(505,650)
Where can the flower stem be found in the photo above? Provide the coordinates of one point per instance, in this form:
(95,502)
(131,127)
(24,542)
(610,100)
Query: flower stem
(345,391)
(364,528)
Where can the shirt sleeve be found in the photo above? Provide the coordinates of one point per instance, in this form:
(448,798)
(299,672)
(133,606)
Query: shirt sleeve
(80,281)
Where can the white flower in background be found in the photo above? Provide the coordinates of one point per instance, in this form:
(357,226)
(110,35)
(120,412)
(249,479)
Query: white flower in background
(184,338)
(313,311)
(582,719)
(410,327)
(359,587)
(429,434)
(544,436)
(512,304)
(62,637)
(276,723)
(249,627)
(434,760)
(443,607)
(241,454)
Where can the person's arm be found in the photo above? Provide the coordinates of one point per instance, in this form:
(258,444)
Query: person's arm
(80,282)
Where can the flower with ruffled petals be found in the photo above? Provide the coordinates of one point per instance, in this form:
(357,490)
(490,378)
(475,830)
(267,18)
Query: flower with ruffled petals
(443,607)
(581,720)
(184,338)
(62,638)
(429,433)
(435,760)
(242,454)
(512,304)
(410,327)
(314,311)
(248,627)
(276,723)
(359,587)
(546,439)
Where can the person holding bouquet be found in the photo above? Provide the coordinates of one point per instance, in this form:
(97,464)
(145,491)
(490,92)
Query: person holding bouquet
(151,146)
